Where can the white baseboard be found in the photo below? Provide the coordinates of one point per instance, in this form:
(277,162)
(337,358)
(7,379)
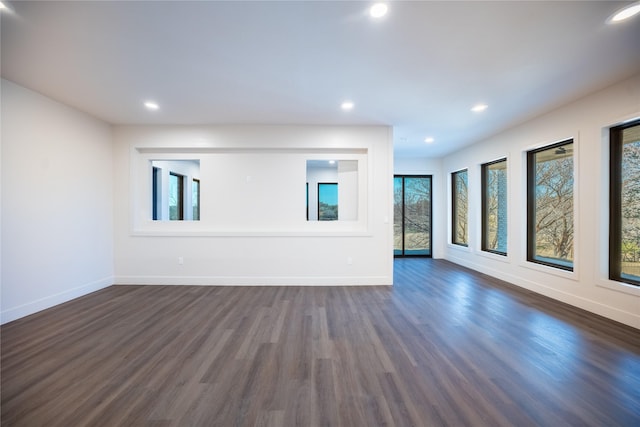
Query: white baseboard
(53,300)
(253,281)
(630,319)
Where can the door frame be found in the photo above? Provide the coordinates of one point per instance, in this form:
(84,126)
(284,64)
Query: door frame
(403,254)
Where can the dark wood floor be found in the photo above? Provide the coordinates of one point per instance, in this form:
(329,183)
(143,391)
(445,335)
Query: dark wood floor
(444,346)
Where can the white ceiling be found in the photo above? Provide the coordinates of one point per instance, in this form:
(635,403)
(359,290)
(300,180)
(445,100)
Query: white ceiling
(419,69)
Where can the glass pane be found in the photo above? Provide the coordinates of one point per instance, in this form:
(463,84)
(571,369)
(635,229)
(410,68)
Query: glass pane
(417,216)
(327,202)
(630,204)
(553,218)
(496,207)
(195,199)
(461,208)
(397,215)
(175,197)
(157,179)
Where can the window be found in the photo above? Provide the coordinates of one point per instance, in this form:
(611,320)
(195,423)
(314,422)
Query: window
(156,182)
(624,203)
(459,208)
(550,205)
(195,199)
(494,207)
(411,215)
(327,201)
(176,201)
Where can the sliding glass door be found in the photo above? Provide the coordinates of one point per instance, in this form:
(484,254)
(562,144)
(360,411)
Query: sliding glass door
(412,215)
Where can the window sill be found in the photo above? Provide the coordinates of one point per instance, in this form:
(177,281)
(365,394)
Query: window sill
(495,257)
(619,287)
(570,275)
(247,233)
(459,247)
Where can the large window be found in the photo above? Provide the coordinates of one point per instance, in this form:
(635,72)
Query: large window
(412,215)
(624,194)
(460,208)
(494,207)
(550,205)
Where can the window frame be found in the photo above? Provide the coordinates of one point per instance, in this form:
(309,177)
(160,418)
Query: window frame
(403,253)
(318,194)
(484,168)
(179,197)
(531,205)
(615,203)
(195,201)
(156,180)
(454,208)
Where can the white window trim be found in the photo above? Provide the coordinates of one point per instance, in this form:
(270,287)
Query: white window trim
(140,197)
(602,194)
(524,262)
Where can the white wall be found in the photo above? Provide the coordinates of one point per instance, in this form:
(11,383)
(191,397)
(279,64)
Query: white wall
(586,121)
(433,167)
(347,190)
(253,228)
(57,203)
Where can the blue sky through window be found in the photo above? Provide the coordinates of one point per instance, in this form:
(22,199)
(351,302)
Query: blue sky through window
(328,193)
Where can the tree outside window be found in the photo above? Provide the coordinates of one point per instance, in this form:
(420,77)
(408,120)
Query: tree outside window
(624,233)
(494,207)
(327,201)
(460,208)
(550,205)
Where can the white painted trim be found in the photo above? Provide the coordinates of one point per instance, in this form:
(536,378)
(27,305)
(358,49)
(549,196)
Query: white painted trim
(625,288)
(493,256)
(549,269)
(460,248)
(524,262)
(140,195)
(602,192)
(53,300)
(628,318)
(197,234)
(255,280)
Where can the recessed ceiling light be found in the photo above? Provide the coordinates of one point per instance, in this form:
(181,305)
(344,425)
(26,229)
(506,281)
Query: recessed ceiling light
(429,139)
(151,105)
(347,105)
(378,10)
(625,13)
(478,108)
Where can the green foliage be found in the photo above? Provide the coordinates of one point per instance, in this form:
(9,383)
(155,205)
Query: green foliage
(327,212)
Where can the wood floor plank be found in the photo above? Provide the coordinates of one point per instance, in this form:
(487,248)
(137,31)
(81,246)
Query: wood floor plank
(444,346)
